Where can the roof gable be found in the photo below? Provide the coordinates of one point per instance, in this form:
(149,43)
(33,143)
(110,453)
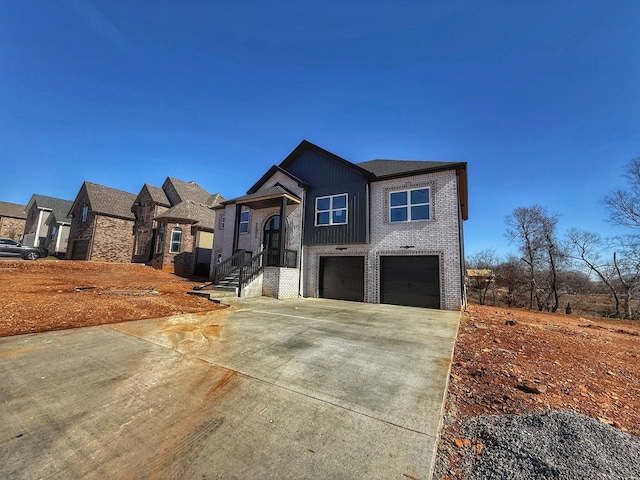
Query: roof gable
(179,191)
(190,212)
(308,146)
(108,201)
(269,173)
(61,210)
(156,194)
(46,203)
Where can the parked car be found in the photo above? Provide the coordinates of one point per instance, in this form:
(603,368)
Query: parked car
(11,248)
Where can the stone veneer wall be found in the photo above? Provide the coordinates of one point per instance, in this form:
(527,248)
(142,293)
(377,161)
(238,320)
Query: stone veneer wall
(113,240)
(12,228)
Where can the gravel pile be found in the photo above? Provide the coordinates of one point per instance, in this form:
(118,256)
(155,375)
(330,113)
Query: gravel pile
(554,445)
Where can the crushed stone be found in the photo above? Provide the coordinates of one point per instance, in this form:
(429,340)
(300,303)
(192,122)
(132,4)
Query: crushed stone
(552,445)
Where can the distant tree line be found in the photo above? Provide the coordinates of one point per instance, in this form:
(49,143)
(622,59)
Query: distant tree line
(551,273)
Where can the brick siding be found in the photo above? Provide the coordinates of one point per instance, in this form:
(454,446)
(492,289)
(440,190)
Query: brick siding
(113,240)
(179,263)
(12,228)
(437,236)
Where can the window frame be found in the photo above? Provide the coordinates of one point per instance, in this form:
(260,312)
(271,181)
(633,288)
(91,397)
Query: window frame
(173,242)
(409,204)
(331,210)
(244,222)
(84,213)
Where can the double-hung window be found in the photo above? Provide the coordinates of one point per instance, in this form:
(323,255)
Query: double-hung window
(176,239)
(85,212)
(331,210)
(410,205)
(244,222)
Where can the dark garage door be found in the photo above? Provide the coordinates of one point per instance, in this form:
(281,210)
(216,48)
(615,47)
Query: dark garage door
(342,278)
(410,281)
(79,249)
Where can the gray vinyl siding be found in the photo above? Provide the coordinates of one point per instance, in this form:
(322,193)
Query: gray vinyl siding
(327,176)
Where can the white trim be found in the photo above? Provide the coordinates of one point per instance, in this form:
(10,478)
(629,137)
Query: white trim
(331,210)
(408,205)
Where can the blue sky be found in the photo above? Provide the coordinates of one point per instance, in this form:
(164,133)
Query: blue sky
(541,98)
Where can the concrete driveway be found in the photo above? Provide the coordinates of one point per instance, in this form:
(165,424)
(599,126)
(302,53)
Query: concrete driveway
(264,389)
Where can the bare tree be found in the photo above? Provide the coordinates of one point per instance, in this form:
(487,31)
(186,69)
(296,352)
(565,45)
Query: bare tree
(624,210)
(483,264)
(588,248)
(624,205)
(534,229)
(524,228)
(512,280)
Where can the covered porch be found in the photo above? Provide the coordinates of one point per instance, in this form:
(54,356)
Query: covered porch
(260,252)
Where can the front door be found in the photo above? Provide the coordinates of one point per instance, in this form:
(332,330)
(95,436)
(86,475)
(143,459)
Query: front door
(271,241)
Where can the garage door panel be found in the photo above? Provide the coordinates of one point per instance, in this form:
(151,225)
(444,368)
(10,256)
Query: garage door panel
(80,249)
(342,278)
(410,280)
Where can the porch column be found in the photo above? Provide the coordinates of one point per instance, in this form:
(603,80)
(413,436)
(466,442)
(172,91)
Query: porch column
(281,231)
(236,228)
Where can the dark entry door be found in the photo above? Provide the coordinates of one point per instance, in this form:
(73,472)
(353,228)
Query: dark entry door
(342,278)
(271,241)
(410,281)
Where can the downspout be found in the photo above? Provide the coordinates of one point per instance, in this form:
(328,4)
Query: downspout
(463,286)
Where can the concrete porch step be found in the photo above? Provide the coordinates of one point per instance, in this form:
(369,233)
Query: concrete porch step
(216,292)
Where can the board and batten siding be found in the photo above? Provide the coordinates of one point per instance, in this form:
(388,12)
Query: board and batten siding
(327,176)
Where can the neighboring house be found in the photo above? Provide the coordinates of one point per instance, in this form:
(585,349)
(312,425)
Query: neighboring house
(174,226)
(58,224)
(13,219)
(101,225)
(38,210)
(383,231)
(151,201)
(185,239)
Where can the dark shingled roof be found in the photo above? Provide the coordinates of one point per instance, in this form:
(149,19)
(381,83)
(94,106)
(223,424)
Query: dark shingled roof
(110,201)
(397,168)
(265,192)
(157,195)
(61,210)
(215,199)
(190,191)
(50,203)
(190,212)
(13,210)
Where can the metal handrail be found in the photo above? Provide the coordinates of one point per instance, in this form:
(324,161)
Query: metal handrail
(230,265)
(250,270)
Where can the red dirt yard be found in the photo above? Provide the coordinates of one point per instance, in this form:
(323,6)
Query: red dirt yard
(52,295)
(509,361)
